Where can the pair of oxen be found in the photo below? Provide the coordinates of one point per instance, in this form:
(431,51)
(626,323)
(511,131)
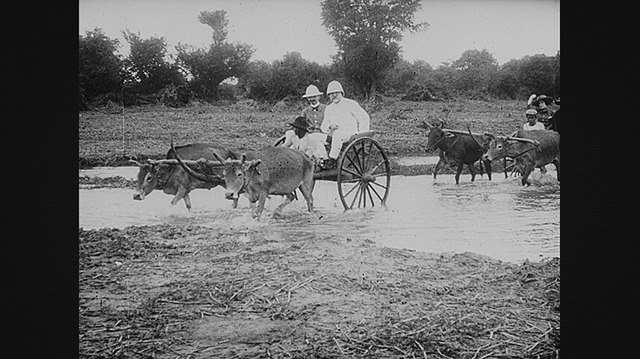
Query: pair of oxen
(270,171)
(528,149)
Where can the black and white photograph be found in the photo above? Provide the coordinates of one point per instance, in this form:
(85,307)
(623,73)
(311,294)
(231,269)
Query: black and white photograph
(319,179)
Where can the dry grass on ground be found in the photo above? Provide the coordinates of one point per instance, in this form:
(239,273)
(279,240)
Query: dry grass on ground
(196,292)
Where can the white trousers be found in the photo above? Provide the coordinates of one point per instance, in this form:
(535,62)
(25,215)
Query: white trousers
(339,137)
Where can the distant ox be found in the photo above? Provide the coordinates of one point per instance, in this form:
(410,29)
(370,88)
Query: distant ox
(458,147)
(273,171)
(529,149)
(167,175)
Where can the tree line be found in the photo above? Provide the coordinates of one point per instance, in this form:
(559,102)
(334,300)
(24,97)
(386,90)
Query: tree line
(368,62)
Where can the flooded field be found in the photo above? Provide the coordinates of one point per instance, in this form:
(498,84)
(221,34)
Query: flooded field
(498,218)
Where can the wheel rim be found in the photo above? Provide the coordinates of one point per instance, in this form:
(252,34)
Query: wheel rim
(364,174)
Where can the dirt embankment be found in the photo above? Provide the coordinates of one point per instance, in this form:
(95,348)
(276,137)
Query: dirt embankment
(196,292)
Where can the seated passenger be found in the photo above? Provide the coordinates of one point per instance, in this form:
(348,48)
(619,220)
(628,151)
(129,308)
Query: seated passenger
(532,121)
(545,113)
(298,139)
(342,118)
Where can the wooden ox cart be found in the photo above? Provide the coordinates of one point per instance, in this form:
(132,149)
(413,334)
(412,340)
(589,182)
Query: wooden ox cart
(363,173)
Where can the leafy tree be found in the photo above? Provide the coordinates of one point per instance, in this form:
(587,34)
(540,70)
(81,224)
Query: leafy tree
(256,80)
(292,74)
(367,33)
(416,81)
(99,66)
(506,81)
(147,70)
(537,74)
(283,78)
(208,68)
(474,71)
(218,22)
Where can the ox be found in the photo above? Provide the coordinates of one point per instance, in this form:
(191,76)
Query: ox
(458,147)
(167,175)
(273,171)
(529,149)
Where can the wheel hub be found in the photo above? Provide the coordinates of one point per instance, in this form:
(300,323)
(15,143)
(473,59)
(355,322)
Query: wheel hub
(368,178)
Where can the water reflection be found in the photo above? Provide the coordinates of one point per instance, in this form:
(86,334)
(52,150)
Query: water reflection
(499,218)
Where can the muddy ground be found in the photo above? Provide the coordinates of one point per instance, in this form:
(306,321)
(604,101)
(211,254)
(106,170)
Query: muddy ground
(195,292)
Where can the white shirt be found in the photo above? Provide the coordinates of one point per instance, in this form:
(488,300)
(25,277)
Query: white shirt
(537,126)
(309,145)
(348,115)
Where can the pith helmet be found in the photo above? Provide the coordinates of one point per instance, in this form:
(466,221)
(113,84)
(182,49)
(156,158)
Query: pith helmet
(334,86)
(311,91)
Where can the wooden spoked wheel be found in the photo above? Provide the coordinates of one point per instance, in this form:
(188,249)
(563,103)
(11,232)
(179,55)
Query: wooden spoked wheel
(364,175)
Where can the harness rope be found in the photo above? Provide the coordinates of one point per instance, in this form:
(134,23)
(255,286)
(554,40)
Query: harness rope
(523,152)
(514,157)
(161,184)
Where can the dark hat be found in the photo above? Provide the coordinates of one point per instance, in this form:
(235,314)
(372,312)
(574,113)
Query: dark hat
(301,123)
(543,98)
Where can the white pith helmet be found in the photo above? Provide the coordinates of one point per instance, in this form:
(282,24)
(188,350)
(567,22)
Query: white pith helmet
(311,91)
(334,86)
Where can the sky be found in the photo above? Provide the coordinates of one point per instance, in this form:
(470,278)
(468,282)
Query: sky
(508,29)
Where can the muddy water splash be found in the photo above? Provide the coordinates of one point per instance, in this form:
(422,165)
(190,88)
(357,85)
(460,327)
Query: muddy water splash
(499,218)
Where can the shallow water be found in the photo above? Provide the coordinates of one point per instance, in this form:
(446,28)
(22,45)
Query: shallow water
(416,160)
(498,218)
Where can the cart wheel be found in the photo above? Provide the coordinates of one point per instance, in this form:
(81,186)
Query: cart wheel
(364,175)
(279,141)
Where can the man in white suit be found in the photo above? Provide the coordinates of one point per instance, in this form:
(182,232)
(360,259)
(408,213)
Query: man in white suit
(343,118)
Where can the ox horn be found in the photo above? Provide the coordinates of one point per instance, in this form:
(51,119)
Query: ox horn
(425,125)
(527,140)
(202,177)
(474,137)
(218,157)
(136,163)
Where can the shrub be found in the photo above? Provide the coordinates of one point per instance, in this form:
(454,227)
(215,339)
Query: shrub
(175,96)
